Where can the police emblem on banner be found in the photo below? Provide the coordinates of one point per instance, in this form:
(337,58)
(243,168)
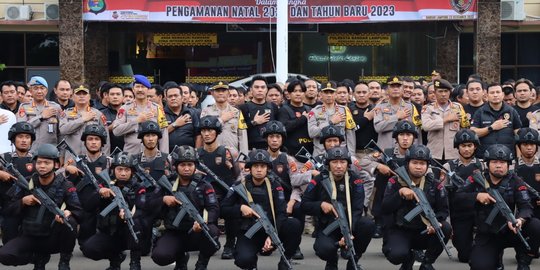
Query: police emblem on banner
(96,6)
(29,167)
(219,160)
(461,6)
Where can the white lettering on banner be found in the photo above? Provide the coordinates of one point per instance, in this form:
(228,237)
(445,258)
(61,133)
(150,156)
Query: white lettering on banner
(325,11)
(198,11)
(245,12)
(338,58)
(355,11)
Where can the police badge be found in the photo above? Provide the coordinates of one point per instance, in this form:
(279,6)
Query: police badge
(218,160)
(98,170)
(96,6)
(461,6)
(279,168)
(29,167)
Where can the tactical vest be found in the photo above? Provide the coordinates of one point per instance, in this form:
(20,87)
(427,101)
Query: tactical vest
(157,167)
(24,165)
(464,172)
(31,225)
(381,178)
(260,196)
(112,223)
(197,198)
(506,190)
(430,190)
(530,174)
(280,166)
(216,162)
(96,167)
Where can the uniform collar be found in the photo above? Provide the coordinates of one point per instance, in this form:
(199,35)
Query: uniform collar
(88,108)
(460,163)
(521,162)
(45,104)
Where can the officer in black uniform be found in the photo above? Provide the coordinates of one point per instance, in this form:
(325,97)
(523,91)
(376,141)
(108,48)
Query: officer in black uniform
(152,159)
(21,135)
(270,196)
(348,189)
(528,164)
(401,236)
(113,236)
(491,239)
(462,220)
(38,238)
(176,241)
(220,160)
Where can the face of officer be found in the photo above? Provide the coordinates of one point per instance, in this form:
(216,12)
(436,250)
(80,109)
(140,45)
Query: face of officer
(150,141)
(475,92)
(466,150)
(375,90)
(185,169)
(523,93)
(495,95)
(82,98)
(431,93)
(208,135)
(498,168)
(408,88)
(328,97)
(63,91)
(193,99)
(418,96)
(9,94)
(115,96)
(21,92)
(394,91)
(338,168)
(93,144)
(274,96)
(233,97)
(122,173)
(342,95)
(151,94)
(442,95)
(27,97)
(259,171)
(140,91)
(38,92)
(311,89)
(23,142)
(45,166)
(405,140)
(361,94)
(128,96)
(185,94)
(297,95)
(258,91)
(174,98)
(417,168)
(331,142)
(528,150)
(221,95)
(274,142)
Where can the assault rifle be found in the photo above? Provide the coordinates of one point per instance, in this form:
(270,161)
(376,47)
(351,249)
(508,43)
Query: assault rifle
(304,153)
(341,223)
(262,223)
(215,178)
(455,180)
(390,162)
(81,163)
(500,206)
(188,208)
(146,179)
(45,201)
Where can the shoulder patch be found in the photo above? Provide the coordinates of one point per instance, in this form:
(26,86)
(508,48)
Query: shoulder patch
(279,188)
(72,189)
(141,191)
(311,114)
(521,188)
(392,180)
(120,113)
(358,181)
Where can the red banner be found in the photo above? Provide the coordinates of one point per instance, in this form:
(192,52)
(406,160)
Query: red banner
(264,11)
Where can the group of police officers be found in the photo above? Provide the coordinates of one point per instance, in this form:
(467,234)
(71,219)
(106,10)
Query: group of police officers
(63,183)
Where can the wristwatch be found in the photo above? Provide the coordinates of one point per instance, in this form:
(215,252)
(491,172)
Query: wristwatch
(174,125)
(490,129)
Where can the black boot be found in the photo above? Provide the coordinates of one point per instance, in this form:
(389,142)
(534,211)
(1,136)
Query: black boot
(408,264)
(350,265)
(227,253)
(63,263)
(500,264)
(182,263)
(282,265)
(378,231)
(116,261)
(524,261)
(418,255)
(298,255)
(427,264)
(135,260)
(331,265)
(202,262)
(40,260)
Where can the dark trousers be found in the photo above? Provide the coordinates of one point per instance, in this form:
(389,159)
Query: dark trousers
(399,242)
(173,244)
(245,253)
(380,186)
(10,228)
(325,245)
(20,250)
(487,247)
(104,246)
(88,227)
(462,238)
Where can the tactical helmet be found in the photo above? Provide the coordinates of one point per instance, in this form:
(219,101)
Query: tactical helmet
(96,130)
(418,152)
(404,126)
(274,127)
(123,159)
(148,127)
(527,135)
(258,156)
(21,128)
(332,131)
(184,153)
(47,151)
(466,136)
(498,152)
(211,122)
(337,153)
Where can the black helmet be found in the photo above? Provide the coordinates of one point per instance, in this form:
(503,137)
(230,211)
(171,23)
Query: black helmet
(498,152)
(96,130)
(332,131)
(527,135)
(466,136)
(47,151)
(274,127)
(404,126)
(148,127)
(21,128)
(258,156)
(184,153)
(123,159)
(211,122)
(418,152)
(337,153)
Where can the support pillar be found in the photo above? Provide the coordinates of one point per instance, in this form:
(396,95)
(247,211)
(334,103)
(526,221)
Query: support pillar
(487,41)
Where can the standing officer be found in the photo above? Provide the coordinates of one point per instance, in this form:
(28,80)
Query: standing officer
(528,164)
(74,120)
(38,238)
(491,239)
(442,119)
(330,113)
(153,159)
(462,220)
(347,189)
(177,240)
(402,236)
(270,196)
(182,119)
(113,236)
(136,112)
(234,128)
(21,135)
(391,111)
(43,115)
(116,97)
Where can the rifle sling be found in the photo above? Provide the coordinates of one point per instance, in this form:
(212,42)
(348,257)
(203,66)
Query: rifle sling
(333,196)
(270,197)
(192,185)
(421,186)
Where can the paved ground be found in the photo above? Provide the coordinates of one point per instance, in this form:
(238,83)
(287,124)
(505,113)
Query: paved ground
(373,260)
